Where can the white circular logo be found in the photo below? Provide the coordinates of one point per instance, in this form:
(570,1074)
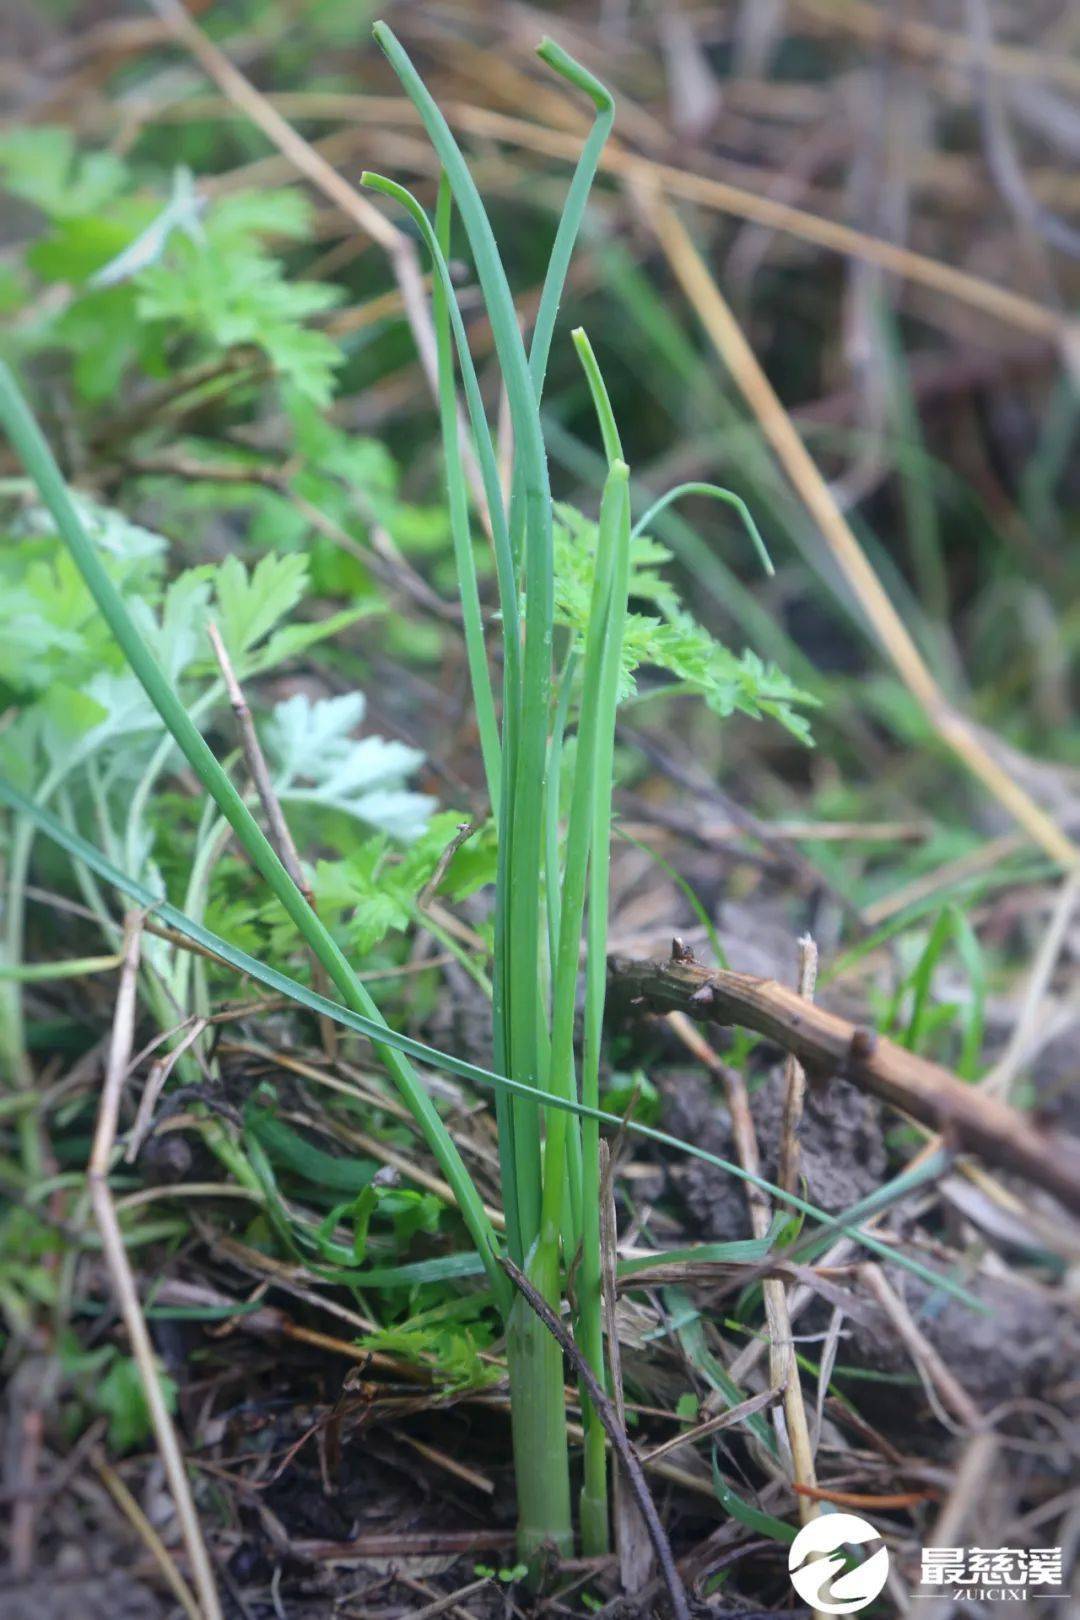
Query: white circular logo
(817,1577)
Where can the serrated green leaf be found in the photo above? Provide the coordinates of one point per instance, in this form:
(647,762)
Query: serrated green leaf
(670,639)
(249,605)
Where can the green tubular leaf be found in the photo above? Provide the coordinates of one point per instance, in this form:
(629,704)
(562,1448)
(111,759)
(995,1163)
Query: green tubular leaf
(553,797)
(590,748)
(445,307)
(574,207)
(717,493)
(489,268)
(521,833)
(459,510)
(609,432)
(382,1035)
(35,455)
(592,1338)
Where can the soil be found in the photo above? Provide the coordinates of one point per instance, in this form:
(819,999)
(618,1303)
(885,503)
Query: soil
(1022,1346)
(843,1147)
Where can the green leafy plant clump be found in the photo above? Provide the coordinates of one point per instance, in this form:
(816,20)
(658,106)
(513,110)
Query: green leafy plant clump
(117,693)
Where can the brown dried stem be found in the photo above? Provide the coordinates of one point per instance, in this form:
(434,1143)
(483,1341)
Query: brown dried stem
(787,1175)
(123,1278)
(826,1044)
(276,825)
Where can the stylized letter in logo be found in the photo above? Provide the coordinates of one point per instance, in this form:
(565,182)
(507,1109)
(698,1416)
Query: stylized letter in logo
(816,1576)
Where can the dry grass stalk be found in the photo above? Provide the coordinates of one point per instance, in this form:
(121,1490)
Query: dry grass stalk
(783,1367)
(277,827)
(722,1420)
(123,1278)
(730,343)
(877,25)
(787,1175)
(977,1465)
(1011,308)
(157,1549)
(1000,1078)
(922,1352)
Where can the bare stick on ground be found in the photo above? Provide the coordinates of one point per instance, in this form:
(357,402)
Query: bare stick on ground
(123,1279)
(787,1175)
(968,1119)
(620,1444)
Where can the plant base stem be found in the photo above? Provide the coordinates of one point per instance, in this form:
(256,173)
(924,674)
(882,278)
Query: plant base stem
(538,1420)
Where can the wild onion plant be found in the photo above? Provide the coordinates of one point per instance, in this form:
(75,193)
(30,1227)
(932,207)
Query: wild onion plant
(549,1167)
(552,872)
(548,877)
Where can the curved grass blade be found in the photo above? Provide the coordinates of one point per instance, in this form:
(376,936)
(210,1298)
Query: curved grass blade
(458,501)
(715,492)
(445,308)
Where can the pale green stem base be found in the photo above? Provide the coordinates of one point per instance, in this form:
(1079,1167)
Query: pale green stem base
(538,1420)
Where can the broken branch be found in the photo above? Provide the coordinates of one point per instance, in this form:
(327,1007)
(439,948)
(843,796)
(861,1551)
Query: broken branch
(969,1119)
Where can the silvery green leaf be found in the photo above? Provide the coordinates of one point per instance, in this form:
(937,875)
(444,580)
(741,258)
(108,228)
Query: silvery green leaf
(128,710)
(109,529)
(307,739)
(399,812)
(318,761)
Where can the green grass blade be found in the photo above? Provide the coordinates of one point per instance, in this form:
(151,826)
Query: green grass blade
(458,501)
(519,896)
(594,1509)
(445,307)
(590,748)
(574,207)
